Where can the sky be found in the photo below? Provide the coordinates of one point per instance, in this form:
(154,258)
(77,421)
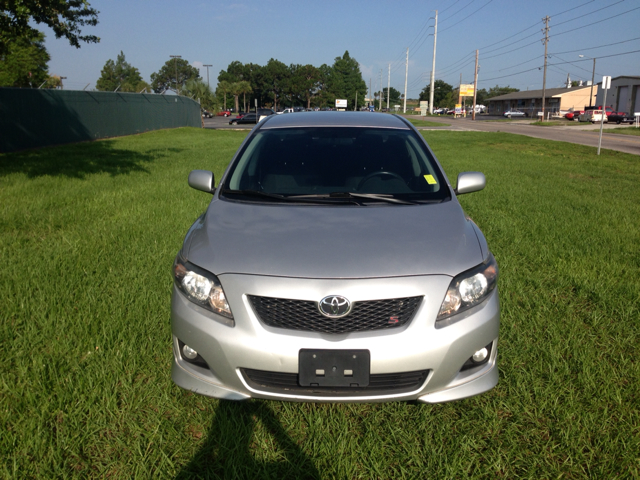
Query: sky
(507,33)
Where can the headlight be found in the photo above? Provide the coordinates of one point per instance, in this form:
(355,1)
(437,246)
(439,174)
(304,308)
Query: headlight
(201,287)
(469,288)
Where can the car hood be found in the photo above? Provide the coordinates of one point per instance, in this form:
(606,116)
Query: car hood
(333,241)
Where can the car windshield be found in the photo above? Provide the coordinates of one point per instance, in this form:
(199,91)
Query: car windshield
(336,163)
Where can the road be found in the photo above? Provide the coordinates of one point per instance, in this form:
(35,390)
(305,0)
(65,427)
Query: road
(580,134)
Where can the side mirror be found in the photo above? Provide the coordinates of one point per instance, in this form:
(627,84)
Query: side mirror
(470,182)
(202,180)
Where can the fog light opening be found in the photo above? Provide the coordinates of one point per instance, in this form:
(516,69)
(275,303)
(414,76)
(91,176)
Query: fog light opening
(189,352)
(190,355)
(480,355)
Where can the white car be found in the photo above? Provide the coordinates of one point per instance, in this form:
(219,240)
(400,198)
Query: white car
(592,116)
(515,113)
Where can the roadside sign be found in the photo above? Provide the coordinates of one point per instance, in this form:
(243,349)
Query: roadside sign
(458,110)
(466,90)
(606,82)
(341,103)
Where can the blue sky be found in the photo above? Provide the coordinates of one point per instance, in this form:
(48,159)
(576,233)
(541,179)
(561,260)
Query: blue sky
(376,33)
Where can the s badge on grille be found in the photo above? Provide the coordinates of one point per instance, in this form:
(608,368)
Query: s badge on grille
(334,306)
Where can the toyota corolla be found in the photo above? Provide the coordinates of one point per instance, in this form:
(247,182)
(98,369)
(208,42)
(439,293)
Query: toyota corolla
(335,264)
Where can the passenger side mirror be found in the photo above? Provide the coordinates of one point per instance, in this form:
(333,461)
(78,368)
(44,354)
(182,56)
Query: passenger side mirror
(470,182)
(202,180)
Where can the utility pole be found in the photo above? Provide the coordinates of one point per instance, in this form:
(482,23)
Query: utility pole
(370,94)
(433,68)
(208,84)
(389,88)
(406,77)
(475,89)
(61,84)
(544,75)
(176,57)
(380,97)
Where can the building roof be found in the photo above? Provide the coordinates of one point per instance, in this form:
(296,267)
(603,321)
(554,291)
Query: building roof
(527,94)
(620,76)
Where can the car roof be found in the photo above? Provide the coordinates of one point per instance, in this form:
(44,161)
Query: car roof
(335,119)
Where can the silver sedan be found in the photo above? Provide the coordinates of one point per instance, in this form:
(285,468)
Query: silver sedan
(335,264)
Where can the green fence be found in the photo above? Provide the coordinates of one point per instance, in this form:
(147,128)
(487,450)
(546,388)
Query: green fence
(31,118)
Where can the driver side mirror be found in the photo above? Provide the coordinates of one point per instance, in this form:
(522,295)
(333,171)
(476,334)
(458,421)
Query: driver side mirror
(469,182)
(202,180)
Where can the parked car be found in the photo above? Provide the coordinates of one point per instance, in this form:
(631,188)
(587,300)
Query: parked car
(573,115)
(224,113)
(621,117)
(592,116)
(334,263)
(515,113)
(206,113)
(247,118)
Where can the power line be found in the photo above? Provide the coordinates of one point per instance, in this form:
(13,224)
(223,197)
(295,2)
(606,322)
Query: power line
(586,49)
(473,13)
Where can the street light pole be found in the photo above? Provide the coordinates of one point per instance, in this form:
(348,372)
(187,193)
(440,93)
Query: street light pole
(176,57)
(208,84)
(61,84)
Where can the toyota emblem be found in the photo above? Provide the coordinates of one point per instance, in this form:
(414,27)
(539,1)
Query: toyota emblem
(334,306)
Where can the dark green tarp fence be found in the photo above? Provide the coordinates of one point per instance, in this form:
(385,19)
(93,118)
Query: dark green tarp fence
(32,118)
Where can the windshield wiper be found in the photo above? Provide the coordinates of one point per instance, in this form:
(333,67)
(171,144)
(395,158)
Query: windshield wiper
(286,198)
(367,196)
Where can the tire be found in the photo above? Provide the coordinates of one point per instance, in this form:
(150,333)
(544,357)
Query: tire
(618,122)
(234,123)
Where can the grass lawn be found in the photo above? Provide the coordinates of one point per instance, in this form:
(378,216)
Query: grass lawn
(427,123)
(557,123)
(622,130)
(88,235)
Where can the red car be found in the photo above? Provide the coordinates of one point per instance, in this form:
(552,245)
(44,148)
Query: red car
(573,115)
(224,113)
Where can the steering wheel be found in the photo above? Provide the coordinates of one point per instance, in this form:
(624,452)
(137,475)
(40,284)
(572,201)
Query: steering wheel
(378,174)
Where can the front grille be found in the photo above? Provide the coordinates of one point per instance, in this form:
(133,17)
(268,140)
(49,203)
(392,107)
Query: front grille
(364,316)
(379,384)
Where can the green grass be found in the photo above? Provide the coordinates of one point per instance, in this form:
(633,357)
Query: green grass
(557,123)
(88,233)
(622,130)
(426,123)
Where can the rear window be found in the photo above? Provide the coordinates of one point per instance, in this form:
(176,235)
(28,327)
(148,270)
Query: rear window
(324,160)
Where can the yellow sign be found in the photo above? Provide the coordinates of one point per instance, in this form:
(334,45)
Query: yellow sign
(466,90)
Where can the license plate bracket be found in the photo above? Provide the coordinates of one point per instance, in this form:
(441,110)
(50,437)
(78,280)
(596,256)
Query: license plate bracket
(333,368)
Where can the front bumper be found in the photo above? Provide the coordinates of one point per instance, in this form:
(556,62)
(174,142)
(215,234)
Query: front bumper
(416,346)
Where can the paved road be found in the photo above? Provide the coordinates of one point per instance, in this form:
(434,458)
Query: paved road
(580,134)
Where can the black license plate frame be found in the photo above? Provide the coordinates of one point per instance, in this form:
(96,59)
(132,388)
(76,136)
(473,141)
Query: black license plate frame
(335,366)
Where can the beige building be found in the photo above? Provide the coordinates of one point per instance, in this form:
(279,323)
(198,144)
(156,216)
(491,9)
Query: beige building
(556,100)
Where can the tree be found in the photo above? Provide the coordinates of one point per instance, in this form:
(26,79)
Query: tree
(65,17)
(119,74)
(276,76)
(244,87)
(165,78)
(481,96)
(25,62)
(224,87)
(442,94)
(346,80)
(395,96)
(309,80)
(497,91)
(197,89)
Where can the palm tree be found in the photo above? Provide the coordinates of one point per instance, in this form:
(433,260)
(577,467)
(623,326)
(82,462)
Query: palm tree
(234,89)
(244,87)
(225,87)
